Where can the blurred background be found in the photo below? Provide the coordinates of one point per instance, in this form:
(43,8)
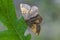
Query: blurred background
(50,11)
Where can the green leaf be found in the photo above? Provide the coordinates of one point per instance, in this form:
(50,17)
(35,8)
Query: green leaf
(16,28)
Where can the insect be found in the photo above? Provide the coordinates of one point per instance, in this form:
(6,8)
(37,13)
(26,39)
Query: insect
(32,17)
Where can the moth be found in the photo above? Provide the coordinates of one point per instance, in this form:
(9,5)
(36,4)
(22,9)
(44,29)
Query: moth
(31,16)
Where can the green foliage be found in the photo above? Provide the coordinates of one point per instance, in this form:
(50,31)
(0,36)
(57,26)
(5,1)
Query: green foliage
(16,28)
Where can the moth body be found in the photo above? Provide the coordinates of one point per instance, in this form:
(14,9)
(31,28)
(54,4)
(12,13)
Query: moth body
(32,18)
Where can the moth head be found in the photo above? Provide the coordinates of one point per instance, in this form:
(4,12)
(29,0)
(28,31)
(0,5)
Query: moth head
(24,8)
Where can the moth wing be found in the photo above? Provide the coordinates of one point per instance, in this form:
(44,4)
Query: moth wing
(25,8)
(36,29)
(34,11)
(33,28)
